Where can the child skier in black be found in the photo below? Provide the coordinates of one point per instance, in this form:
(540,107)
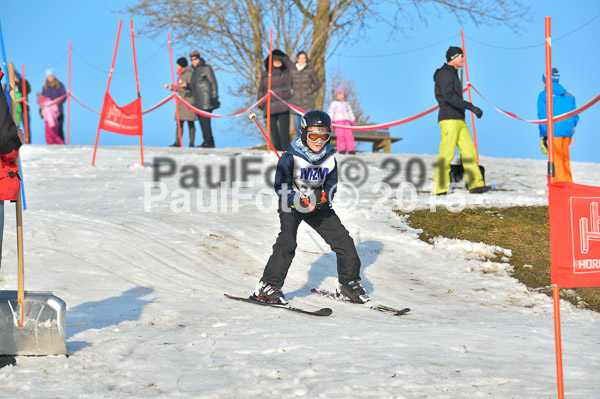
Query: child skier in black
(305,181)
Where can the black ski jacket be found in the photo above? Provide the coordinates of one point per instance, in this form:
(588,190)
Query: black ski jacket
(448,93)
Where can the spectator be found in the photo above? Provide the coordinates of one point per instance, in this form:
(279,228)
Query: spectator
(206,95)
(280,85)
(11,139)
(184,90)
(50,113)
(341,113)
(54,89)
(562,102)
(305,83)
(455,132)
(24,105)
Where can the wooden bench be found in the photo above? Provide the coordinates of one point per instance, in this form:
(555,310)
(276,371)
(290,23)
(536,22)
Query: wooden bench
(380,138)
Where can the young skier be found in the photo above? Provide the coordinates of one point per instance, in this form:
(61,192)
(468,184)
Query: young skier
(305,180)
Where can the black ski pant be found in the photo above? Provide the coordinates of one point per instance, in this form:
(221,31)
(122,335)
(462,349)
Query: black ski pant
(280,130)
(329,226)
(206,130)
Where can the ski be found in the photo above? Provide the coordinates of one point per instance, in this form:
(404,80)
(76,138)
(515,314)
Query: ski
(320,312)
(379,308)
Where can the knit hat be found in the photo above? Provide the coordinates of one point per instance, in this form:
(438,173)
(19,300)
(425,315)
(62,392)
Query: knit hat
(453,52)
(182,62)
(555,76)
(340,90)
(49,72)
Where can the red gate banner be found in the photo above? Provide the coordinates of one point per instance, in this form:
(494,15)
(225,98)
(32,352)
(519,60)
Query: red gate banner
(122,120)
(574,234)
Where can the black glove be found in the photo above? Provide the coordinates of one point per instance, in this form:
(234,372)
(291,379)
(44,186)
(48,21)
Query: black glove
(323,202)
(476,110)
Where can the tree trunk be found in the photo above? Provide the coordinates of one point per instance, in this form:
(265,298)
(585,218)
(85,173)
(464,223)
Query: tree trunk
(320,37)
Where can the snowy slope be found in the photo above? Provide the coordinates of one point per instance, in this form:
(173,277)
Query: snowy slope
(146,316)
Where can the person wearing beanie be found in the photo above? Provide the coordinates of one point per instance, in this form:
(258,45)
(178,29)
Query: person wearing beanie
(341,113)
(206,95)
(52,90)
(280,85)
(455,132)
(305,181)
(184,90)
(562,102)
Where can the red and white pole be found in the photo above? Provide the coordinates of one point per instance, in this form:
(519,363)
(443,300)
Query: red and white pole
(469,91)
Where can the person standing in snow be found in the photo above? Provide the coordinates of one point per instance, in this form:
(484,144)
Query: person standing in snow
(304,84)
(206,95)
(305,181)
(54,89)
(341,113)
(11,139)
(184,90)
(455,132)
(50,113)
(280,85)
(562,102)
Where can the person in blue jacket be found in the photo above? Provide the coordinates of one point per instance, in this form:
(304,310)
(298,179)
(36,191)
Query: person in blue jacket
(305,181)
(562,102)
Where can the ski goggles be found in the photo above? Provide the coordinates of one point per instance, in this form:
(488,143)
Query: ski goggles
(313,137)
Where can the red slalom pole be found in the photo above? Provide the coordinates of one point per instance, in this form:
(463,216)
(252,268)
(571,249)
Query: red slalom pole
(175,91)
(270,145)
(110,73)
(69,100)
(25,105)
(137,85)
(269,69)
(469,91)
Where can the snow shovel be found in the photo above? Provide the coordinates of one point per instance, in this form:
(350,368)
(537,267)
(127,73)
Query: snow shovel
(31,322)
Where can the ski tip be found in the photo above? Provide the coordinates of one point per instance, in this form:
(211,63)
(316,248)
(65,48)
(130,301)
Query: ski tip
(325,311)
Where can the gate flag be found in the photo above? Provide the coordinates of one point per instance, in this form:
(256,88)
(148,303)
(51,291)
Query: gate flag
(122,120)
(574,234)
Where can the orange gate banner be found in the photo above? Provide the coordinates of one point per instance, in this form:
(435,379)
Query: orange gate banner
(574,234)
(122,120)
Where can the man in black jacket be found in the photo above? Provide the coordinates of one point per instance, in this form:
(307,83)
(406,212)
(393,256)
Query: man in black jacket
(206,95)
(451,117)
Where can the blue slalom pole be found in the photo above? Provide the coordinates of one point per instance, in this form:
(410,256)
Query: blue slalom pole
(5,68)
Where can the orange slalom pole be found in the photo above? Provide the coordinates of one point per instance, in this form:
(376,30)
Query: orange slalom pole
(557,341)
(269,69)
(549,104)
(25,105)
(175,91)
(137,85)
(112,67)
(550,117)
(469,91)
(69,100)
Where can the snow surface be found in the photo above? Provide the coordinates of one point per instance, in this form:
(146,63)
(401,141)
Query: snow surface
(146,316)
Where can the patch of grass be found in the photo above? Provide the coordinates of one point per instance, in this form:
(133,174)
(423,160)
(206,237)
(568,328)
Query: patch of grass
(524,230)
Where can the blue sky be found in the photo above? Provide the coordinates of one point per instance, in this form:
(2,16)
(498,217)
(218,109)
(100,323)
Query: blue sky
(394,78)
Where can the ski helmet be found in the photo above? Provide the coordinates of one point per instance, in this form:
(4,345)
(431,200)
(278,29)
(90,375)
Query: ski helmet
(313,118)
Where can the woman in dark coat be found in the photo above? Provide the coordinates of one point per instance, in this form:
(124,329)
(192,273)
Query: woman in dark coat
(305,83)
(280,85)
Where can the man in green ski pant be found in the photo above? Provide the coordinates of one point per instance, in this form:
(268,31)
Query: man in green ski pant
(451,117)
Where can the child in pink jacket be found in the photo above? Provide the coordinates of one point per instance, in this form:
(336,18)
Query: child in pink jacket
(341,114)
(50,113)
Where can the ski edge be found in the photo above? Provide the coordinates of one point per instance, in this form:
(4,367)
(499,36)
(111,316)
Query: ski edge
(379,307)
(319,312)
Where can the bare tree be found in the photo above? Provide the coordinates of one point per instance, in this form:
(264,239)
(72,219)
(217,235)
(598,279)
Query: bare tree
(233,34)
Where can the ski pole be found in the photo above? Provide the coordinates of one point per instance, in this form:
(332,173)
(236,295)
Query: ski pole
(303,197)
